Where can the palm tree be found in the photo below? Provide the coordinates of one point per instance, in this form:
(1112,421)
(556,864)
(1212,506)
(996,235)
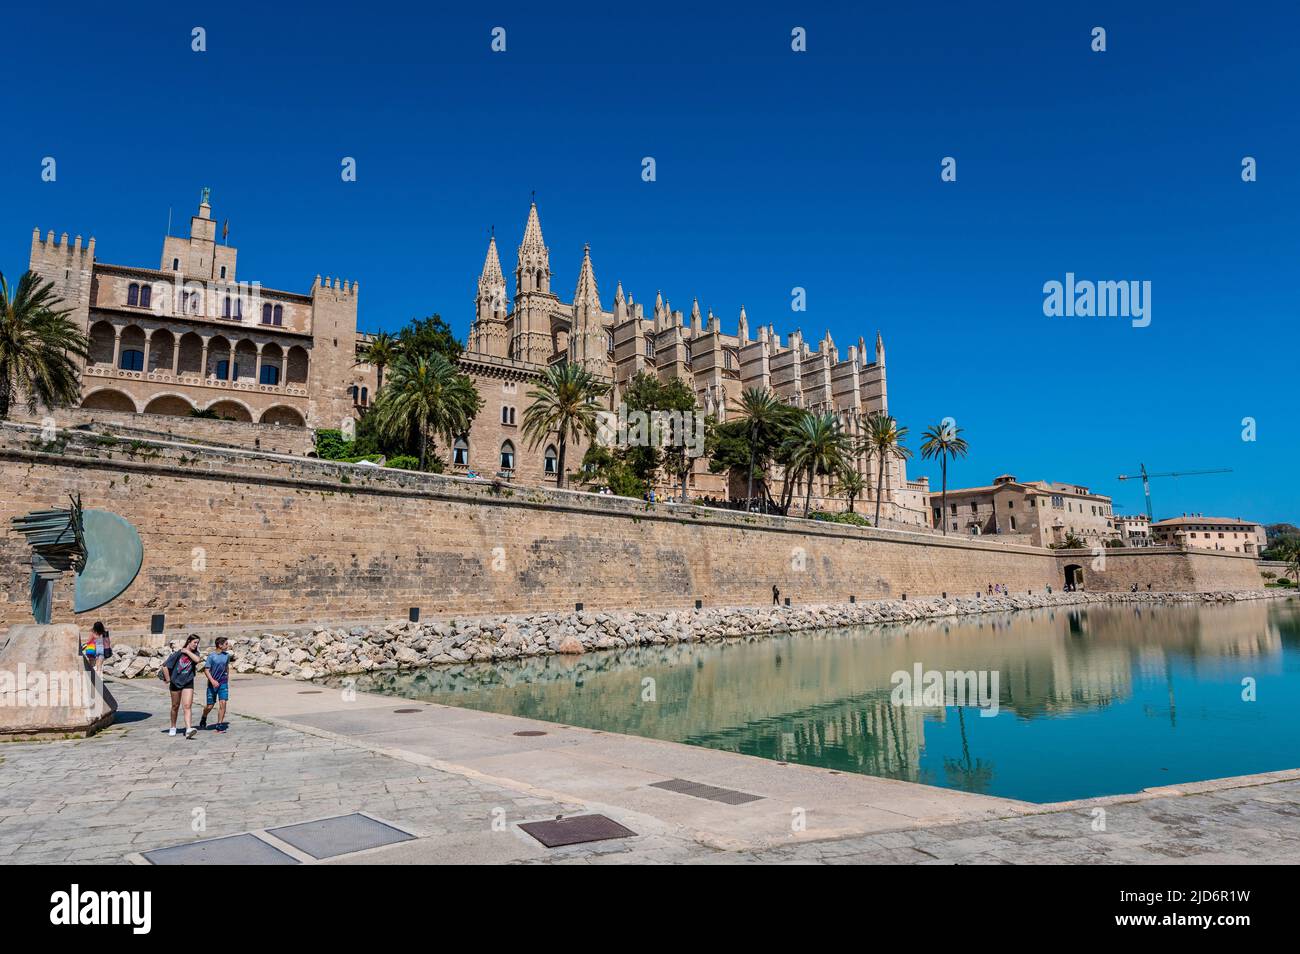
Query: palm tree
(884,438)
(849,482)
(426,396)
(764,412)
(817,445)
(37,344)
(565,401)
(381,351)
(1291,554)
(944,440)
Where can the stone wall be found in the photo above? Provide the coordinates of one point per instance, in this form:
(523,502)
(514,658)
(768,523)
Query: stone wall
(1163,568)
(269,438)
(233,537)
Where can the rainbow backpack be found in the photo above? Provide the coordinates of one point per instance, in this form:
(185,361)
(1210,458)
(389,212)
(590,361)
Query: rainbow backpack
(90,650)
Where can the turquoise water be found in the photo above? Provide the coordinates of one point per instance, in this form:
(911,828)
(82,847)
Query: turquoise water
(1092,701)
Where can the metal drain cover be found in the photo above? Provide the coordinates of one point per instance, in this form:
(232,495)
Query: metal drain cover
(231,850)
(577,830)
(713,793)
(340,835)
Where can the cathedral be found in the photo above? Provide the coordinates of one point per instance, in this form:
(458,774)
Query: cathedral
(513,339)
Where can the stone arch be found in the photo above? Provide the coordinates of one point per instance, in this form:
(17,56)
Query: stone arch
(218,351)
(162,345)
(296,364)
(272,357)
(283,414)
(169,405)
(191,359)
(108,399)
(132,340)
(245,361)
(1073,574)
(232,409)
(101,343)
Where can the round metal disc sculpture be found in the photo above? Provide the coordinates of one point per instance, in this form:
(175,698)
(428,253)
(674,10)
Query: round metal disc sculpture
(102,548)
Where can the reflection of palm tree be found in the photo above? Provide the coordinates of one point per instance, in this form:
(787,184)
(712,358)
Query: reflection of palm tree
(962,773)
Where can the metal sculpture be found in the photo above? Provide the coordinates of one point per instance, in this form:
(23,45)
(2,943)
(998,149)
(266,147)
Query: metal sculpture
(102,548)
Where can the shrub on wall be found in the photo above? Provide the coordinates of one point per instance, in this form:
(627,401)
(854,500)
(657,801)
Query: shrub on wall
(855,519)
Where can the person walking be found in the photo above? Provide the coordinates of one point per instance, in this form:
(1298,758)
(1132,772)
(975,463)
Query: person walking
(776,596)
(218,673)
(179,671)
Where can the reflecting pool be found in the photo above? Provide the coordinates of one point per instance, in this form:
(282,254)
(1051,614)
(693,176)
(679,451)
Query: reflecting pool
(1096,700)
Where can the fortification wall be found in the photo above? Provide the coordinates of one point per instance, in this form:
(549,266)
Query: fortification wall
(235,537)
(1163,568)
(270,438)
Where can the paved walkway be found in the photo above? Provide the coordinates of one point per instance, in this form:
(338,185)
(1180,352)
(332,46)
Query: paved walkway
(462,780)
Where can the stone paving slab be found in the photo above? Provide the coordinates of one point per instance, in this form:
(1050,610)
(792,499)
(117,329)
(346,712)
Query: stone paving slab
(132,789)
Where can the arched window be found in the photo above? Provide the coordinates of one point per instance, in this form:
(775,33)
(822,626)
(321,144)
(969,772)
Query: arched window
(133,294)
(365,396)
(552,461)
(270,374)
(460,452)
(225,308)
(730,361)
(688,351)
(355,393)
(266,313)
(131,360)
(279,315)
(649,346)
(507,414)
(223,271)
(146,295)
(609,341)
(239,308)
(507,456)
(176,264)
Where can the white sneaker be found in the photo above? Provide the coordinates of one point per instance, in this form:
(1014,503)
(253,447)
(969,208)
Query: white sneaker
(173,731)
(191,733)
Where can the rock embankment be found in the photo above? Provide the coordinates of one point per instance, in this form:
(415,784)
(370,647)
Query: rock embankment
(331,651)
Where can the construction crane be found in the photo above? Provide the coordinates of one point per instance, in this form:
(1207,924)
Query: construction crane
(1146,481)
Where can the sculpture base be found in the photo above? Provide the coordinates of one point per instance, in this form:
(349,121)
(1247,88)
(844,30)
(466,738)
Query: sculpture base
(48,690)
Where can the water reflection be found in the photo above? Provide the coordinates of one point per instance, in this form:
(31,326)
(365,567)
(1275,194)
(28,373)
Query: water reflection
(1092,701)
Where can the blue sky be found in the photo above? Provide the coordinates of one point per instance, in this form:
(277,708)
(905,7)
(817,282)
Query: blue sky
(775,169)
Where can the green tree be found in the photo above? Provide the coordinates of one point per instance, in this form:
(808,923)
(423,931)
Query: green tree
(381,351)
(564,401)
(431,335)
(884,439)
(849,483)
(37,344)
(426,397)
(944,441)
(1291,554)
(816,445)
(764,419)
